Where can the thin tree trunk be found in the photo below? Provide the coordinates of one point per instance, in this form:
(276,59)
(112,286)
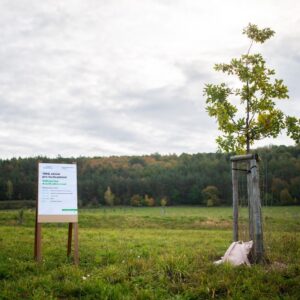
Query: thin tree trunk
(247,123)
(248,144)
(248,108)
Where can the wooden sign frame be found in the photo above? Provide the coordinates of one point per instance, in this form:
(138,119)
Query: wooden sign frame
(40,219)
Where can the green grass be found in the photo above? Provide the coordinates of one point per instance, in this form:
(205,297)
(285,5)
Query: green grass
(142,253)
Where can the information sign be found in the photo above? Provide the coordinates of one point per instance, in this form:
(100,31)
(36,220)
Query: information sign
(57,193)
(57,202)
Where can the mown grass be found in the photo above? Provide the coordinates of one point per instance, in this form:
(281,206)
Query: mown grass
(143,253)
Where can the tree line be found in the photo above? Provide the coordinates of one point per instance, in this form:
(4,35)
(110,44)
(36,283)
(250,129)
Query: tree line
(186,179)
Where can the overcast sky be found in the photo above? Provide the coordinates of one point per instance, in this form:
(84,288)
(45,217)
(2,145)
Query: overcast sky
(126,77)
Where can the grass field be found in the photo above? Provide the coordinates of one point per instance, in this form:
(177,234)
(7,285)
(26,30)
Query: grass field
(143,253)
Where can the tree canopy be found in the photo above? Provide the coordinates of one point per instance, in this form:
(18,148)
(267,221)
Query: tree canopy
(256,115)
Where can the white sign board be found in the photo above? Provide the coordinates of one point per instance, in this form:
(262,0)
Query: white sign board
(57,190)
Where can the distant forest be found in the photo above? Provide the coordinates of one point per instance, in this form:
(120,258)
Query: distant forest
(178,179)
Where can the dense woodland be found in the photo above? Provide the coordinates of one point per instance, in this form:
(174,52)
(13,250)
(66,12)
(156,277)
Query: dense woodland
(146,180)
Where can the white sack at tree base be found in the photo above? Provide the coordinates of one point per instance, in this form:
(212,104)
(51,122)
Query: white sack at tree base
(237,254)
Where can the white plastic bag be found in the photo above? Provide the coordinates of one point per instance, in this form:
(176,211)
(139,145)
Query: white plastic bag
(237,254)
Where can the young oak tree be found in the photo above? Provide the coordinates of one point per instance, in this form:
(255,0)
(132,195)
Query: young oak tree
(256,117)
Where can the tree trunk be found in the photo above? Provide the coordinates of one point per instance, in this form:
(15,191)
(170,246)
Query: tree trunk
(248,114)
(248,144)
(247,130)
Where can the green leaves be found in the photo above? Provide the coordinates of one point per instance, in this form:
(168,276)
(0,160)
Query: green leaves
(258,35)
(293,128)
(219,106)
(217,93)
(268,124)
(256,116)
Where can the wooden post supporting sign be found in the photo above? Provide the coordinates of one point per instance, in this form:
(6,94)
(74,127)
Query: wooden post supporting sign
(57,203)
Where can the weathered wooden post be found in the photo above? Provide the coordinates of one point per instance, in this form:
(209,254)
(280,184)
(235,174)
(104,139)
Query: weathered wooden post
(235,201)
(250,206)
(256,213)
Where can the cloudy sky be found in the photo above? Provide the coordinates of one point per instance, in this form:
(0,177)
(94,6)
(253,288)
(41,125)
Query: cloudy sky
(126,77)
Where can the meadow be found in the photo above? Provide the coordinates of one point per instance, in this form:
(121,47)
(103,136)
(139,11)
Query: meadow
(148,253)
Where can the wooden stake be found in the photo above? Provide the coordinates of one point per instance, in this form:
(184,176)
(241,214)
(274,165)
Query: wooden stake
(235,204)
(250,203)
(38,242)
(69,247)
(257,218)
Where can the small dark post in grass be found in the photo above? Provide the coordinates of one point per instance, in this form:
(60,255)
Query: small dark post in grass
(254,203)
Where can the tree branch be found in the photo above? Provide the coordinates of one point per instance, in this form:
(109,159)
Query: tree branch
(250,47)
(251,119)
(233,121)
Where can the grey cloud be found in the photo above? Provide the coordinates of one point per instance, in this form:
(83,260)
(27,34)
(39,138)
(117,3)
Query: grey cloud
(196,71)
(101,124)
(66,78)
